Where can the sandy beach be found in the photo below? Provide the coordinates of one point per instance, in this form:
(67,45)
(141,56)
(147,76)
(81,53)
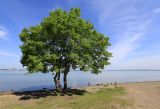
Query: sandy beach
(142,95)
(145,95)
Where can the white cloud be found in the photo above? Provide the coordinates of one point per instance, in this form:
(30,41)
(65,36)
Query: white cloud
(115,14)
(3,33)
(8,54)
(145,62)
(110,10)
(132,26)
(129,42)
(156,10)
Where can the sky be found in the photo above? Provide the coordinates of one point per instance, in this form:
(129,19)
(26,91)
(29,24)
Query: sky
(132,25)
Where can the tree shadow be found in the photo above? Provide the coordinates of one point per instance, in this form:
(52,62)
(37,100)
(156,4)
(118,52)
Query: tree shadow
(79,92)
(27,95)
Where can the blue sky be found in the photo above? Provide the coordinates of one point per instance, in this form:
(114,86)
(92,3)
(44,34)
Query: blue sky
(132,25)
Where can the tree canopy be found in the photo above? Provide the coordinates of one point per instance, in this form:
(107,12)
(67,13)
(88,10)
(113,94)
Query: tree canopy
(64,41)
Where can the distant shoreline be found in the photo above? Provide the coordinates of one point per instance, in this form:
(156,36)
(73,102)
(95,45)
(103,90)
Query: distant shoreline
(102,70)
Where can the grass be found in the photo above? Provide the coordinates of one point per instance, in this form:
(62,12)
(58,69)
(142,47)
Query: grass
(103,98)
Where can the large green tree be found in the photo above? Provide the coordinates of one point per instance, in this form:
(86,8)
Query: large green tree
(64,41)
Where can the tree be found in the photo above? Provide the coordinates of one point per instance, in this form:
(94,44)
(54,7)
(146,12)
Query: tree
(64,41)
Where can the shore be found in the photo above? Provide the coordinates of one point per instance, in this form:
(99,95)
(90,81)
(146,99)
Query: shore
(139,95)
(145,95)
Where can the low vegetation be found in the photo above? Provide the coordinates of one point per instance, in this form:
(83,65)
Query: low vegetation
(91,98)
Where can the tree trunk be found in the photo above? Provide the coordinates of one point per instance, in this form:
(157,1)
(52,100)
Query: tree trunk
(65,81)
(65,77)
(55,80)
(59,83)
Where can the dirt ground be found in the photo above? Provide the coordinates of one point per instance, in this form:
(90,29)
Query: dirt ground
(145,95)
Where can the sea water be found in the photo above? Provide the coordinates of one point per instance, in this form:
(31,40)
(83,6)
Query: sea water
(20,80)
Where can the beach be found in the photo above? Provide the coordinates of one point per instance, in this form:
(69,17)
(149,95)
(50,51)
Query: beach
(140,95)
(145,95)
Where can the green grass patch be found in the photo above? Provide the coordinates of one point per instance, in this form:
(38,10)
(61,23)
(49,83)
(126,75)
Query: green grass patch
(104,98)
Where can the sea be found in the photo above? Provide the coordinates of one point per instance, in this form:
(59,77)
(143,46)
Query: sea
(20,80)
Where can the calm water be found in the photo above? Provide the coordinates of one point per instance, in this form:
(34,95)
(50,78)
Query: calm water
(19,81)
